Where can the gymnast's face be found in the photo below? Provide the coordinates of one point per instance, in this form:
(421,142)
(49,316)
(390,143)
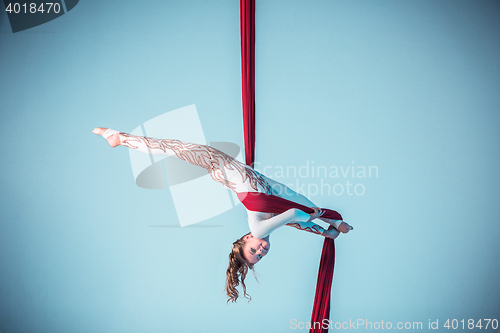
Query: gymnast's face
(255,248)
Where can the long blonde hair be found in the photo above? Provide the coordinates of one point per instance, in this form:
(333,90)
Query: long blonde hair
(237,270)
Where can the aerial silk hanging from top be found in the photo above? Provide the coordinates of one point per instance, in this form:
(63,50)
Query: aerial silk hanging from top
(321,307)
(247,28)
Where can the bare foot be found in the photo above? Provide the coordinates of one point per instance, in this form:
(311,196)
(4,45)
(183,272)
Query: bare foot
(113,140)
(345,228)
(331,233)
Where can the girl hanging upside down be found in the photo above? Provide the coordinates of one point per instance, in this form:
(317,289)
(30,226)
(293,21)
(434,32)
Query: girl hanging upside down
(242,179)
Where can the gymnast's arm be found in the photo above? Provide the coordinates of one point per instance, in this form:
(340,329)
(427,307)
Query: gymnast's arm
(292,217)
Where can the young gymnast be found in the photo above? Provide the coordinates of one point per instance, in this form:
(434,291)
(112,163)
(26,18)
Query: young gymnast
(242,179)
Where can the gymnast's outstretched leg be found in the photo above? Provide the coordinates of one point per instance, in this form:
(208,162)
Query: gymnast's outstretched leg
(224,169)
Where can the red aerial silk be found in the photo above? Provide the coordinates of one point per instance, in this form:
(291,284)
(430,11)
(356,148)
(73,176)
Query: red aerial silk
(265,203)
(262,202)
(247,27)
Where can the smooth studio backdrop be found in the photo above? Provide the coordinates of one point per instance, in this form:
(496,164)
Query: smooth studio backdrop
(408,87)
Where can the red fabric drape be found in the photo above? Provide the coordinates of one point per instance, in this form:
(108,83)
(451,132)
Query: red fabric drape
(261,202)
(321,307)
(247,28)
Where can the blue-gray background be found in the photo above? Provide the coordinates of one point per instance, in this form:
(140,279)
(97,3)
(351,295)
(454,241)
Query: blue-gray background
(411,87)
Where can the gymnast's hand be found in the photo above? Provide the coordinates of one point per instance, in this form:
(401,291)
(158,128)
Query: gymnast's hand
(344,228)
(317,213)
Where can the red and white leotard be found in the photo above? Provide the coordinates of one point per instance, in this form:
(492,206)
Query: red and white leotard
(234,175)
